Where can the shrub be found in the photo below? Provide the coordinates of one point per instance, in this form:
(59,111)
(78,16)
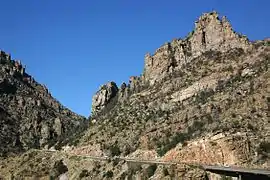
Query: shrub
(151,170)
(108,174)
(213,143)
(264,147)
(236,124)
(114,150)
(84,173)
(177,138)
(203,95)
(165,172)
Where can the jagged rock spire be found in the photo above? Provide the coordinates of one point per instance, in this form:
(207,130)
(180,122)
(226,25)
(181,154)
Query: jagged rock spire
(210,33)
(103,96)
(213,33)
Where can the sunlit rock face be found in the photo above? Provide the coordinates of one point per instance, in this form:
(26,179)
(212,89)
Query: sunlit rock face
(210,33)
(29,116)
(103,96)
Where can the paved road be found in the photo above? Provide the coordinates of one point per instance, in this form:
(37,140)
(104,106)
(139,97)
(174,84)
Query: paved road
(229,169)
(147,161)
(237,170)
(216,168)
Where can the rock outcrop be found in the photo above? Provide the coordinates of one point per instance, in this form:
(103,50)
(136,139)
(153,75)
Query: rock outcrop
(104,96)
(210,34)
(109,94)
(29,116)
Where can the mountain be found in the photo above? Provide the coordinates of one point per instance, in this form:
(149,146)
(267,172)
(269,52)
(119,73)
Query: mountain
(29,116)
(203,99)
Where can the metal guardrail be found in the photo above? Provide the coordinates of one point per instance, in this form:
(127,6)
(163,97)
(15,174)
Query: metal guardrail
(238,170)
(217,168)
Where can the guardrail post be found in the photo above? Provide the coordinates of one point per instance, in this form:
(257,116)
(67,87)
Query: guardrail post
(239,177)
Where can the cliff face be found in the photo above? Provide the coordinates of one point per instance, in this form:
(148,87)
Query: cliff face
(210,34)
(212,83)
(29,116)
(202,99)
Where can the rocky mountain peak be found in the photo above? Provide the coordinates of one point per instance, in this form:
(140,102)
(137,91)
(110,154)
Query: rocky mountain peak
(29,116)
(210,34)
(213,33)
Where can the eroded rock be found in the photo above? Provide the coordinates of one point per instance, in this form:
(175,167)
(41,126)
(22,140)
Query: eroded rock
(210,33)
(103,96)
(32,118)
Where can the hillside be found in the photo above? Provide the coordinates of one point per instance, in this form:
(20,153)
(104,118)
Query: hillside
(29,116)
(201,99)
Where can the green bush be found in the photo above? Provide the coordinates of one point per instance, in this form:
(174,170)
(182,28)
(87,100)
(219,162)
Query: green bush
(177,138)
(151,170)
(165,172)
(108,174)
(114,150)
(203,95)
(84,173)
(264,147)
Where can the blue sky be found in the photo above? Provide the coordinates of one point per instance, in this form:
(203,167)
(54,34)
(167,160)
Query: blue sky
(75,46)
